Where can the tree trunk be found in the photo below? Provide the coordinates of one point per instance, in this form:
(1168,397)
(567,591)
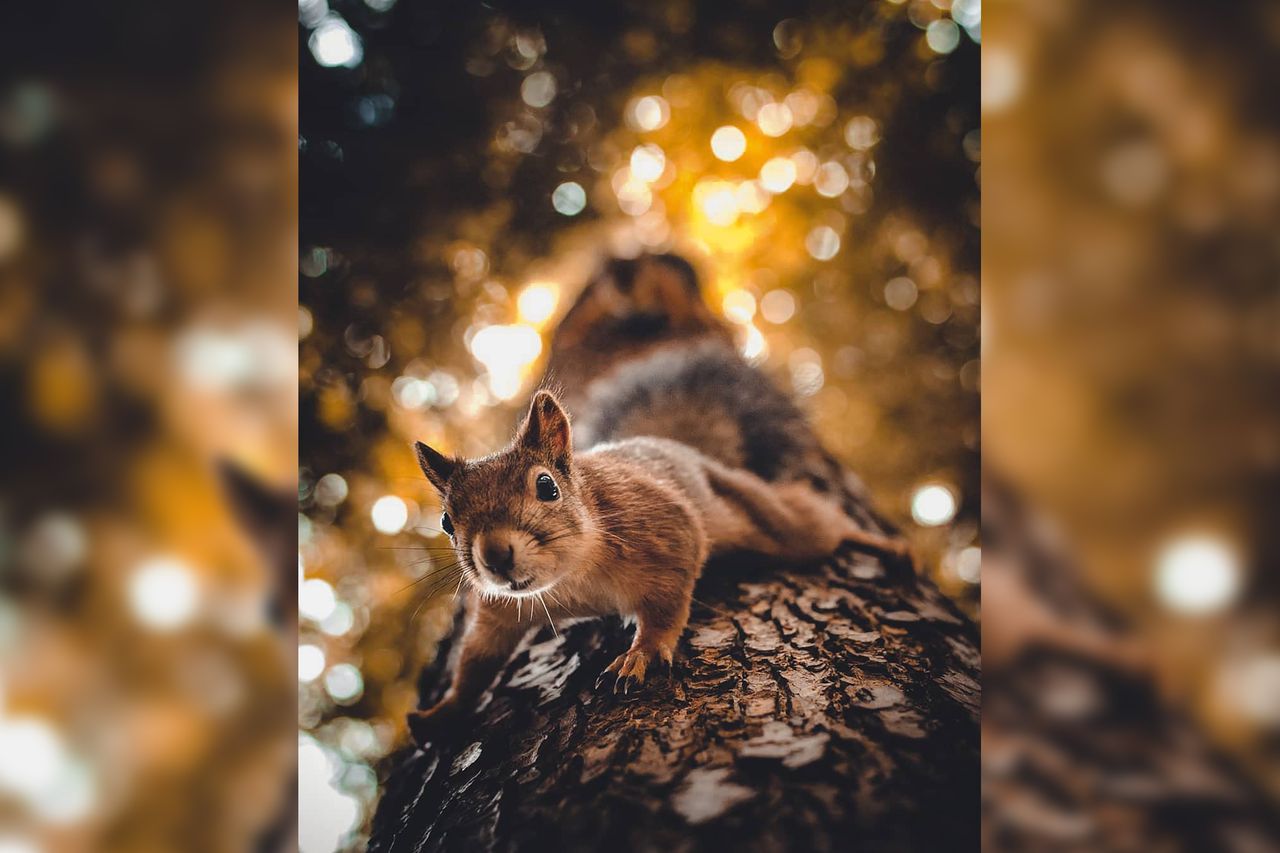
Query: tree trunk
(1080,749)
(814,709)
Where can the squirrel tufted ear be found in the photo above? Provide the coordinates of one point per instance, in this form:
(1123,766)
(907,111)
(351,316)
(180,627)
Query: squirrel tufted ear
(547,428)
(438,467)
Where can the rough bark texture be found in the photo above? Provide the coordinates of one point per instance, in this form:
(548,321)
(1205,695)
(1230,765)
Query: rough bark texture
(827,708)
(1080,750)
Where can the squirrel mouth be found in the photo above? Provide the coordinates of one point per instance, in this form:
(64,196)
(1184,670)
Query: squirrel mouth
(517,586)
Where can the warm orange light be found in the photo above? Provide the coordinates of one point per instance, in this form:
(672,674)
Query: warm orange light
(728,143)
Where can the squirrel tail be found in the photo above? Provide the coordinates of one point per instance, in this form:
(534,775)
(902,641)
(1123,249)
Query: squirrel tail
(791,519)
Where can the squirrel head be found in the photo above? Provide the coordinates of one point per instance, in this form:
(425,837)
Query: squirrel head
(516,518)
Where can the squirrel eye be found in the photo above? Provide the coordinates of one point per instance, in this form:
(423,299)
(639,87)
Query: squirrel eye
(446,523)
(546,488)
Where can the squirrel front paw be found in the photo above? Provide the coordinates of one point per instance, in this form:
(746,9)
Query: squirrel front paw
(435,722)
(628,670)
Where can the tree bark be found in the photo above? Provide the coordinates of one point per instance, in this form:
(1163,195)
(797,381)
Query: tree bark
(827,708)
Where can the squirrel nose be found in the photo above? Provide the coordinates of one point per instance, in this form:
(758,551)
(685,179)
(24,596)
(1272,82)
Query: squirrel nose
(499,557)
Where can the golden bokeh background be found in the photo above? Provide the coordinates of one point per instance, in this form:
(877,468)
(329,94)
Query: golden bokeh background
(148,201)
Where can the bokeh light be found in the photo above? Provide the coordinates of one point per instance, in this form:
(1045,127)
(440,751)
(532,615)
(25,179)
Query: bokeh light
(163,593)
(537,303)
(331,490)
(1197,575)
(718,201)
(900,293)
(774,119)
(538,89)
(310,662)
(326,813)
(507,353)
(1001,79)
(823,243)
(569,199)
(341,620)
(1250,688)
(739,306)
(778,306)
(968,564)
(933,504)
(31,753)
(316,600)
(344,683)
(728,143)
(333,43)
(648,113)
(778,174)
(942,35)
(389,514)
(861,133)
(755,347)
(831,179)
(647,162)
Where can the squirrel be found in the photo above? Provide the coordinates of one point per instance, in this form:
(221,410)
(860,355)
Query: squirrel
(623,527)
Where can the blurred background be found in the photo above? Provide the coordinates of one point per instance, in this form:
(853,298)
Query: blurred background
(148,203)
(1131,346)
(465,170)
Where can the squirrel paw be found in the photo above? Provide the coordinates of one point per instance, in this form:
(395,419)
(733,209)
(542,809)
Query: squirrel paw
(628,670)
(434,722)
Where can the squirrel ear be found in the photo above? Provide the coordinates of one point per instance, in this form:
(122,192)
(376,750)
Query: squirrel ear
(438,467)
(547,428)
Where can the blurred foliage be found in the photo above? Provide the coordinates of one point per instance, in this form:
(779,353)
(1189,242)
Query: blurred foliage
(466,168)
(1130,316)
(148,189)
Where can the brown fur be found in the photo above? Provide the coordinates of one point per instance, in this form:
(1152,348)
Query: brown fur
(629,534)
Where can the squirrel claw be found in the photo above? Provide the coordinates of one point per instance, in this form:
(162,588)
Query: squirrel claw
(627,672)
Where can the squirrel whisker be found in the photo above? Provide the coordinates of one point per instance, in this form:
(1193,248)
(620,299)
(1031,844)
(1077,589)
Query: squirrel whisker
(548,612)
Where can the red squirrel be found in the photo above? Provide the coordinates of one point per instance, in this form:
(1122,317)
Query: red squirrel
(623,527)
